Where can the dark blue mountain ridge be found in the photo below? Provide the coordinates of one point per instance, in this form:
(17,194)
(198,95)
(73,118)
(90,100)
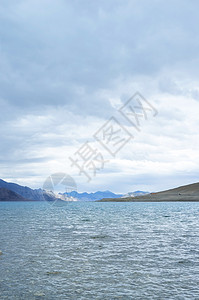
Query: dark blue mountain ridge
(26,192)
(8,195)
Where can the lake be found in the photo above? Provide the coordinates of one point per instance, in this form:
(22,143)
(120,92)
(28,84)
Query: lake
(99,250)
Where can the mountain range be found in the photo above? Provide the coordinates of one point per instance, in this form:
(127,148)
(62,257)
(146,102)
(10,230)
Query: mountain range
(16,192)
(40,195)
(92,196)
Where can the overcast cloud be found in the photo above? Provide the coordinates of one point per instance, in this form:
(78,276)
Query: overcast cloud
(67,66)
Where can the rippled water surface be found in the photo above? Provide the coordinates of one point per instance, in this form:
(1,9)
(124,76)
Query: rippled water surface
(99,251)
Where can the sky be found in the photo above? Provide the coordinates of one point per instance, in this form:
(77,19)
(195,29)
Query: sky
(67,68)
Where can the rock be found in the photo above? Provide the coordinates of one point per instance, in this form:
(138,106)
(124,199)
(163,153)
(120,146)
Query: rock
(53,273)
(1,252)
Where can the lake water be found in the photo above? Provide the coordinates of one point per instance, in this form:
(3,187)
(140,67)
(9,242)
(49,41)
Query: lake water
(99,251)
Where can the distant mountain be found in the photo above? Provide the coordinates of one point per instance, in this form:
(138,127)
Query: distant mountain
(7,195)
(135,194)
(41,195)
(92,196)
(28,193)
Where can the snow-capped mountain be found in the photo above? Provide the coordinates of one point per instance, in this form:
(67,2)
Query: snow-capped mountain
(135,194)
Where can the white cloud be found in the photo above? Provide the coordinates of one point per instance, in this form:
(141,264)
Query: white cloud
(66,67)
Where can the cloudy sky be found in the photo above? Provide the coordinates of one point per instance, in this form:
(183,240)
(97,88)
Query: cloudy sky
(67,67)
